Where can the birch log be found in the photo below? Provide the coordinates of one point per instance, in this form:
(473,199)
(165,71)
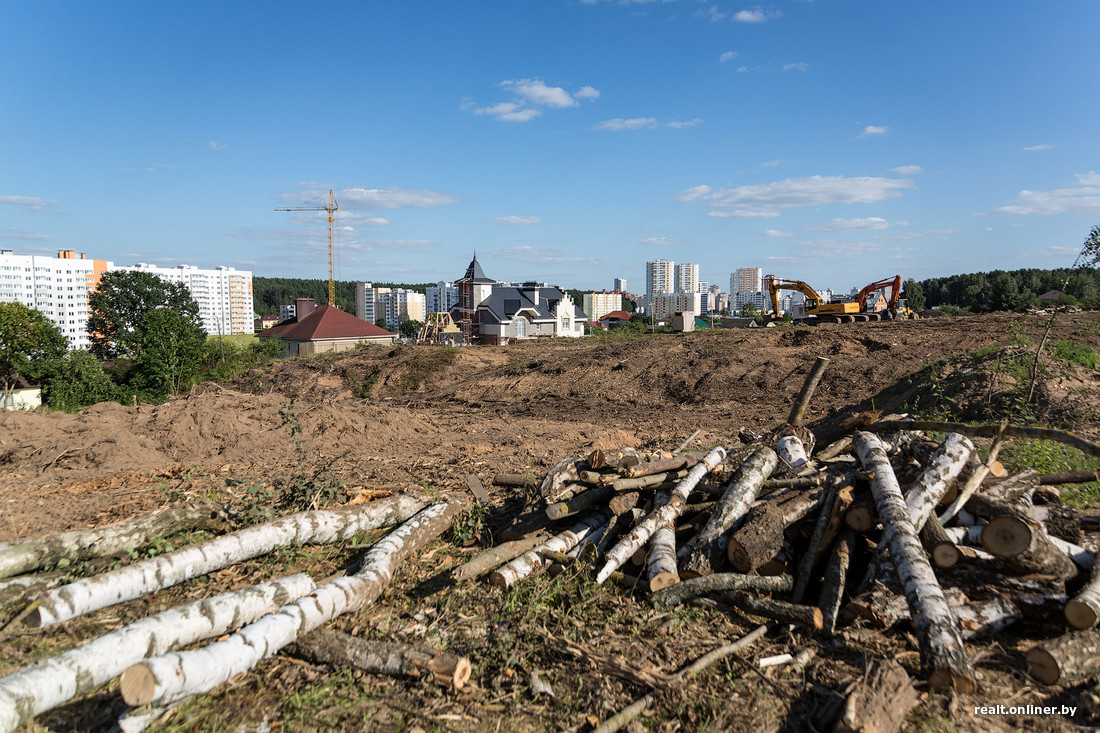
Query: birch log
(563,473)
(532,560)
(148,576)
(1066,659)
(940,472)
(167,679)
(498,555)
(760,537)
(704,553)
(661,562)
(637,537)
(663,465)
(26,557)
(688,589)
(943,655)
(1084,610)
(54,681)
(829,520)
(792,453)
(383,657)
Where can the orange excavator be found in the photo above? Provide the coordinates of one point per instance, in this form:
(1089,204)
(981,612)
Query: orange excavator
(842,311)
(896,307)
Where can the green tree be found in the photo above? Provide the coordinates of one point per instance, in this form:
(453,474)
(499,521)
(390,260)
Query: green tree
(748,310)
(380,322)
(410,328)
(29,342)
(77,380)
(119,305)
(1004,293)
(1090,251)
(171,349)
(914,293)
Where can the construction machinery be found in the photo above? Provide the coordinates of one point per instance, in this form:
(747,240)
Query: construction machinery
(438,328)
(896,306)
(331,208)
(816,310)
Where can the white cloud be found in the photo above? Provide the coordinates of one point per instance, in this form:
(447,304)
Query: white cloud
(774,233)
(365,220)
(852,225)
(917,235)
(743,69)
(215,145)
(756,15)
(907,170)
(796,67)
(636,123)
(587,93)
(31,203)
(369,199)
(684,123)
(537,92)
(728,56)
(661,241)
(770,199)
(1083,199)
(23,235)
(1044,146)
(771,163)
(515,219)
(830,249)
(874,130)
(404,245)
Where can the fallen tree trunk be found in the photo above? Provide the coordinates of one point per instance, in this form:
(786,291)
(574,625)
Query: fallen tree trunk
(637,537)
(1070,477)
(1066,659)
(661,562)
(1084,610)
(663,465)
(947,462)
(685,590)
(382,657)
(760,537)
(54,681)
(168,679)
(798,410)
(943,655)
(988,431)
(642,482)
(147,576)
(26,557)
(836,576)
(704,553)
(787,613)
(498,555)
(532,560)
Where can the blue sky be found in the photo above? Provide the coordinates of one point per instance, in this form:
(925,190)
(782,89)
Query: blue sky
(567,141)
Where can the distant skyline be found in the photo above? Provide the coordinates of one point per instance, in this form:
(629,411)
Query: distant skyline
(566,141)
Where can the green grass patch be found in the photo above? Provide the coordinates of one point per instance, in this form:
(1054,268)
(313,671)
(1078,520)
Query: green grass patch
(240,340)
(1078,354)
(1047,456)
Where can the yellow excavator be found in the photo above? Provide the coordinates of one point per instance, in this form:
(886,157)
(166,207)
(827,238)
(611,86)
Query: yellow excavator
(816,310)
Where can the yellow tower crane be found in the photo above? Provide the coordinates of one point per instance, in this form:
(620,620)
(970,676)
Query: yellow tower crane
(331,207)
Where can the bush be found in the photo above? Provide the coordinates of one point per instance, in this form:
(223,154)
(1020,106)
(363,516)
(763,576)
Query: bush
(77,380)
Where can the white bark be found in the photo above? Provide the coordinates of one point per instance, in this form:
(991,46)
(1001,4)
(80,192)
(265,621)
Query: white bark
(943,654)
(25,557)
(171,678)
(1078,554)
(946,464)
(792,453)
(970,536)
(1084,610)
(561,475)
(54,681)
(636,538)
(661,563)
(532,560)
(164,571)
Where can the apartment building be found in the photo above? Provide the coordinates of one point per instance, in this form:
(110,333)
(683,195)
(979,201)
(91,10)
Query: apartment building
(57,287)
(665,305)
(368,303)
(620,284)
(223,294)
(400,305)
(441,297)
(687,278)
(746,280)
(659,278)
(598,305)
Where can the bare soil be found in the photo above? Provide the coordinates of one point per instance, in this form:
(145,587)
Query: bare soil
(418,418)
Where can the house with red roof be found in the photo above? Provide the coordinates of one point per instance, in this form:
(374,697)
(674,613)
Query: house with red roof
(615,318)
(317,329)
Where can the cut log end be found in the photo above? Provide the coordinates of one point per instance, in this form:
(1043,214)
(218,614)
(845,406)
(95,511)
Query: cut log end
(948,679)
(663,580)
(1042,665)
(451,671)
(137,685)
(738,557)
(945,555)
(1080,615)
(1006,536)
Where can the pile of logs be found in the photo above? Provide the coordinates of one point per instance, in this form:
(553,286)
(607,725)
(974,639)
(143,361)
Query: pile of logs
(884,527)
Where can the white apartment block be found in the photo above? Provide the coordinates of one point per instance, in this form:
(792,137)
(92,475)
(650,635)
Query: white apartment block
(620,284)
(400,305)
(286,312)
(57,287)
(598,305)
(368,302)
(441,297)
(687,278)
(666,305)
(756,297)
(223,294)
(659,277)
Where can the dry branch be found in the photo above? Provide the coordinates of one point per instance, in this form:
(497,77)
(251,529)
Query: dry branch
(798,411)
(498,555)
(837,501)
(989,431)
(388,658)
(704,584)
(133,581)
(787,613)
(25,557)
(836,575)
(168,679)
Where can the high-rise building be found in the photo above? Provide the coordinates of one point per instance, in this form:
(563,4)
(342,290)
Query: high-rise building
(687,278)
(400,305)
(223,294)
(658,278)
(368,304)
(666,305)
(441,297)
(620,284)
(598,305)
(57,287)
(746,280)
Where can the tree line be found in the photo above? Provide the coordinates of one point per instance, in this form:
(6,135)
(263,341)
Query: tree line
(268,293)
(1004,290)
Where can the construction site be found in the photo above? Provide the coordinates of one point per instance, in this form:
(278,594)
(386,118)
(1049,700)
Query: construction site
(529,443)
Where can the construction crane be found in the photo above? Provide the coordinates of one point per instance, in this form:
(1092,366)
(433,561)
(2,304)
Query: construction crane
(331,207)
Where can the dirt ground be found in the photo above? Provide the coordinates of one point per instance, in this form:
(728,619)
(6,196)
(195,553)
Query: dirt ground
(423,419)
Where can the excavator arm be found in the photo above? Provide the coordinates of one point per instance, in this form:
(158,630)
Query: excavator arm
(776,284)
(893,283)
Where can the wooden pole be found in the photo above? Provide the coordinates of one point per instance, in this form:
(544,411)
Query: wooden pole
(798,411)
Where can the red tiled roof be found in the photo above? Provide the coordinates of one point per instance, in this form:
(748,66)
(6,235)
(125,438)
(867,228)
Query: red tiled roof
(325,322)
(617,315)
